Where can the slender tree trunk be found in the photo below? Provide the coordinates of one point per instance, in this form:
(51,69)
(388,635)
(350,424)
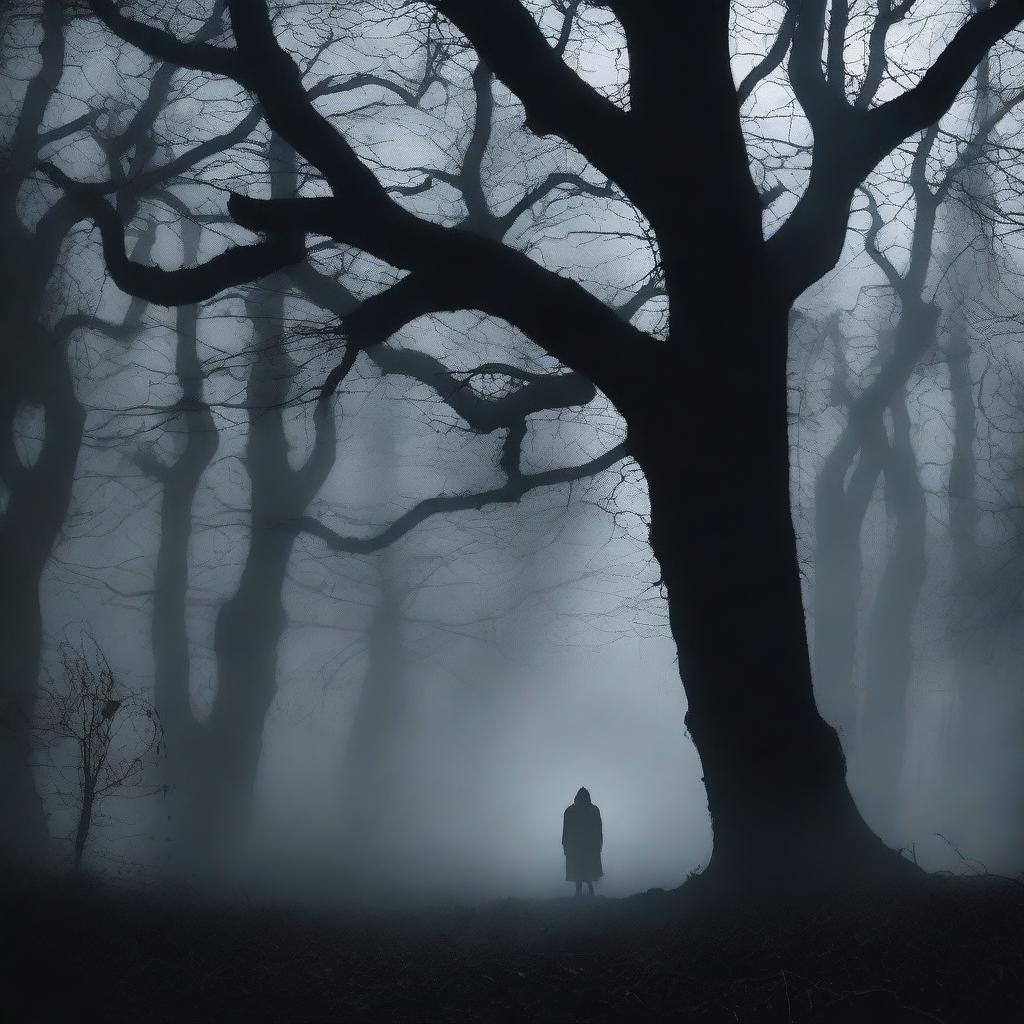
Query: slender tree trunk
(35,370)
(251,623)
(248,632)
(722,531)
(840,509)
(36,508)
(21,808)
(84,827)
(372,790)
(890,633)
(839,512)
(970,706)
(972,770)
(372,781)
(195,429)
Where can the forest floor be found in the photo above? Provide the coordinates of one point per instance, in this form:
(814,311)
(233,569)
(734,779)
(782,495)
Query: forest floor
(943,949)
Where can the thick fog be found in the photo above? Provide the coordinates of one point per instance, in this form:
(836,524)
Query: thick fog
(529,653)
(432,705)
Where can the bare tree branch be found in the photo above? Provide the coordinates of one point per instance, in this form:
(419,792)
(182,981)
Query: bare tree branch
(199,56)
(849,143)
(238,265)
(557,100)
(513,491)
(771,60)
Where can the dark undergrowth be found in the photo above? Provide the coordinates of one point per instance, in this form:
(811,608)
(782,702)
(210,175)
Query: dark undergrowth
(940,949)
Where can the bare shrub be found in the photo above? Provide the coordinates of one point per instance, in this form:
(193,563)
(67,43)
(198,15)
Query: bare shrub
(103,738)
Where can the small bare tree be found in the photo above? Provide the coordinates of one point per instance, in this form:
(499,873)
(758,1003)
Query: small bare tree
(113,734)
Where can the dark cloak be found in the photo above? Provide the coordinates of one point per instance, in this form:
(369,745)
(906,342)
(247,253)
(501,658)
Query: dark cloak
(582,838)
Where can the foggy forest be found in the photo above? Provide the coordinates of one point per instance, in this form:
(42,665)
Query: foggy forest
(413,411)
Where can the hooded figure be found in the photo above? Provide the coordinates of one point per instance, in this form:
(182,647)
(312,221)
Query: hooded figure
(582,839)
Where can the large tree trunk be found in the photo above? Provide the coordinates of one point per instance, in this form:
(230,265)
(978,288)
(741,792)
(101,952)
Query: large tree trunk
(722,531)
(890,634)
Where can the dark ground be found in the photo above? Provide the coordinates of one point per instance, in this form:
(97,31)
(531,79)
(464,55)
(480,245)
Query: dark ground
(939,950)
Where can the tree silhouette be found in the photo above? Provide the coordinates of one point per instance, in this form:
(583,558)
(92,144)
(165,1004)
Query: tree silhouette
(715,458)
(864,453)
(114,732)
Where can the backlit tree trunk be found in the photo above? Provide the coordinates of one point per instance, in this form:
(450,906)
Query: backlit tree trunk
(723,535)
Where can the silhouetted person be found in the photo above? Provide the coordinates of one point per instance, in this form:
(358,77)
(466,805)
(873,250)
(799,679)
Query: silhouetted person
(582,839)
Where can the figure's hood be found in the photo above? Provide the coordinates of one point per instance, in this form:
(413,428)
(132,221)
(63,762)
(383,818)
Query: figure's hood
(582,796)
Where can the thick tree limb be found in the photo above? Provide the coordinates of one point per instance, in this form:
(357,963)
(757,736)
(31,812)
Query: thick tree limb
(460,270)
(772,59)
(464,272)
(556,99)
(838,23)
(806,74)
(39,91)
(909,285)
(454,270)
(198,56)
(238,265)
(849,143)
(889,14)
(923,105)
(470,176)
(568,10)
(539,392)
(479,274)
(275,78)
